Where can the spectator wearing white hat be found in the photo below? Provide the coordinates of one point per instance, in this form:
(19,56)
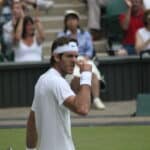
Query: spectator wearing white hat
(73,30)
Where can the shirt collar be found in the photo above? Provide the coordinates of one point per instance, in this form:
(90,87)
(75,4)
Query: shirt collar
(55,72)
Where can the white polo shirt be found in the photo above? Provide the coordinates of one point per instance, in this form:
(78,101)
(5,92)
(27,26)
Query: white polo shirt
(52,117)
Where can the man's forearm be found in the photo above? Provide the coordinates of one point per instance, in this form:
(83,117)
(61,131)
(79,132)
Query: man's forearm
(31,133)
(83,98)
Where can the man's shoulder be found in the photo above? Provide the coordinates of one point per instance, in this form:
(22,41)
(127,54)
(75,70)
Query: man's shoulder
(50,76)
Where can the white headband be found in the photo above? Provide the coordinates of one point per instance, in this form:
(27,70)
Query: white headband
(70,47)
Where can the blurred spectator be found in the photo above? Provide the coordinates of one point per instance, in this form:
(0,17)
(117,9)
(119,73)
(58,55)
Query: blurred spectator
(8,27)
(143,34)
(6,11)
(5,16)
(130,22)
(94,17)
(28,43)
(41,4)
(73,30)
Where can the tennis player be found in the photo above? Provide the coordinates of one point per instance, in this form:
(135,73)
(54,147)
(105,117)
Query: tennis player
(49,125)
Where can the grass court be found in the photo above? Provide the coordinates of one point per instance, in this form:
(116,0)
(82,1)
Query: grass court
(90,138)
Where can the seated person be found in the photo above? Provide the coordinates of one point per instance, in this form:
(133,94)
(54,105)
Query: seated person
(143,34)
(72,30)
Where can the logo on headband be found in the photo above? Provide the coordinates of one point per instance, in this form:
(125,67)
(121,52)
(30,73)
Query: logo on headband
(70,47)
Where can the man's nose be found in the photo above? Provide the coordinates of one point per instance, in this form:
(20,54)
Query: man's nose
(74,58)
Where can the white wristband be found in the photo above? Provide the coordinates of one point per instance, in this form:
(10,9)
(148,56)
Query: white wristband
(85,78)
(31,149)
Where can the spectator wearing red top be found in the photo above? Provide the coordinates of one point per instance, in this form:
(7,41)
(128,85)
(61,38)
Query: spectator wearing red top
(130,22)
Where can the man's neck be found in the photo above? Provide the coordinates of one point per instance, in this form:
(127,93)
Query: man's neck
(59,70)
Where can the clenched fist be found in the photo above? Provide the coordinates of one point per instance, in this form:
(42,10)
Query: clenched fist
(84,65)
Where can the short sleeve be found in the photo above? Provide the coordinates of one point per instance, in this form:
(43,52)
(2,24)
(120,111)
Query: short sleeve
(38,94)
(34,103)
(62,90)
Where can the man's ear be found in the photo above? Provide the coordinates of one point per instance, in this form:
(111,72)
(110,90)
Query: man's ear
(56,57)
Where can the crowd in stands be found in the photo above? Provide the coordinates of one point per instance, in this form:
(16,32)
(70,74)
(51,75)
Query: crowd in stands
(22,34)
(129,22)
